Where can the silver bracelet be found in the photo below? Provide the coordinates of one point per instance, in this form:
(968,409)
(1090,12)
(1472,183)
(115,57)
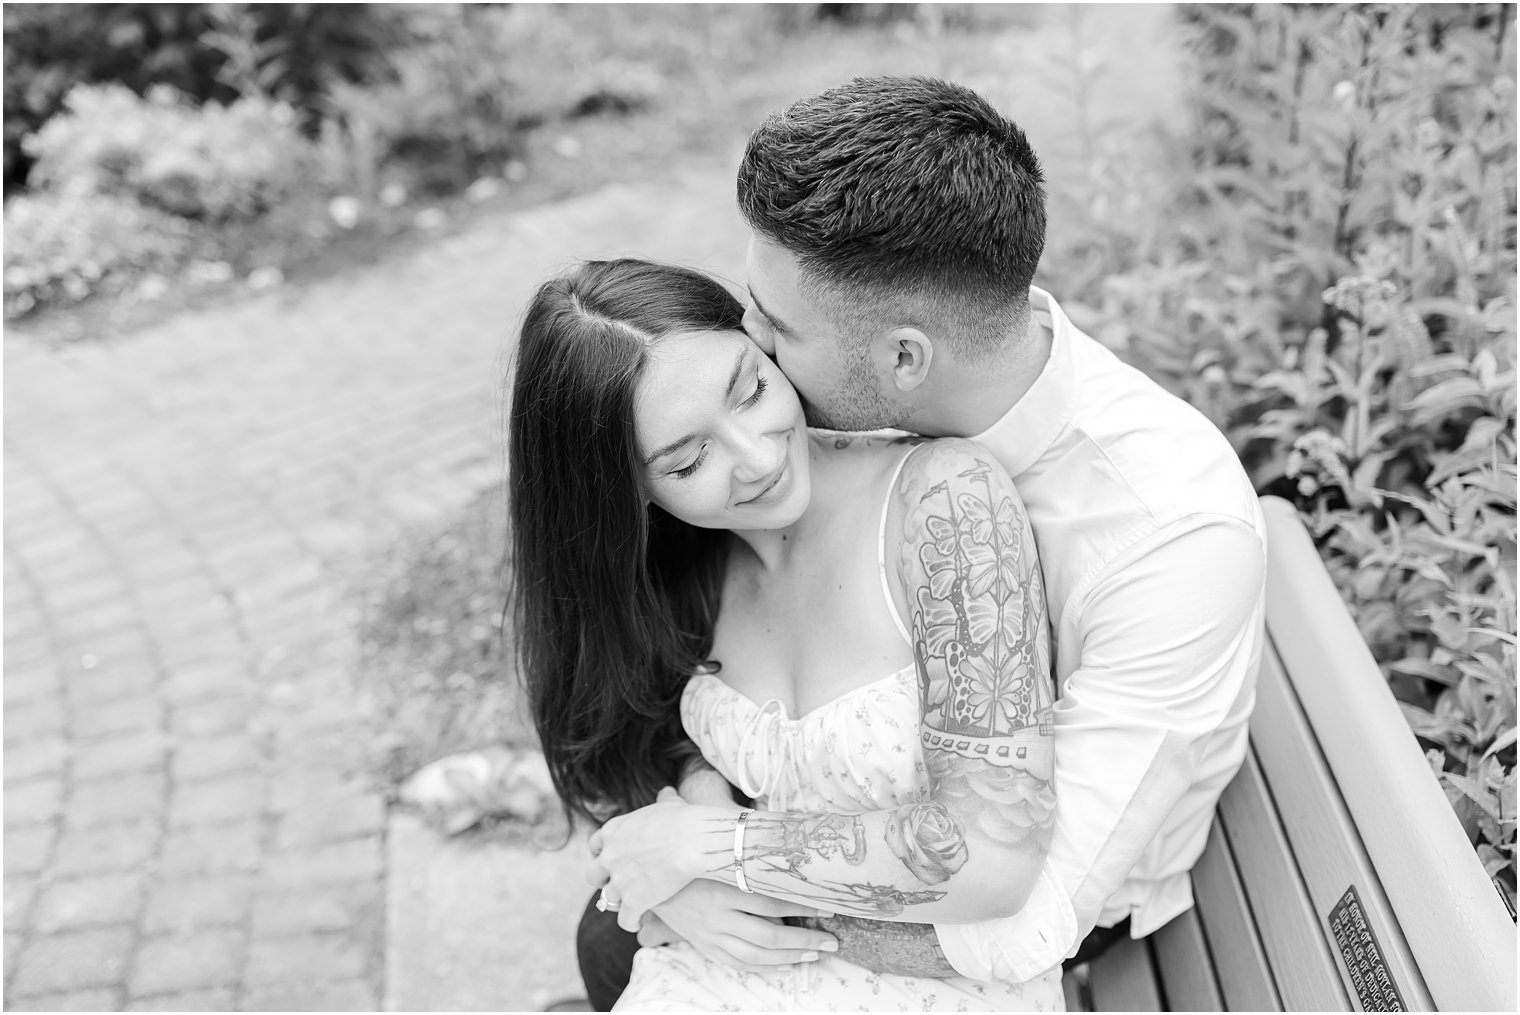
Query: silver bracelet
(739,878)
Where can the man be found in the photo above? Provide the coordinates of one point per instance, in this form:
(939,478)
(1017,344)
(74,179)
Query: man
(896,227)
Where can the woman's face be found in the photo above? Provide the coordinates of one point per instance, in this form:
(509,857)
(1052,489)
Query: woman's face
(721,434)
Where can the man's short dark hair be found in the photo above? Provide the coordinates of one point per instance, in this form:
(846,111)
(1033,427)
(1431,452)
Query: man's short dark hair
(905,190)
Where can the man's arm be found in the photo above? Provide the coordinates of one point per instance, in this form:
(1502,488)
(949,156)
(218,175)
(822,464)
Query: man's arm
(1170,645)
(972,848)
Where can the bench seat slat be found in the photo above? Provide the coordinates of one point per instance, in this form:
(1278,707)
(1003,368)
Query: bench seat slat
(1123,979)
(1321,830)
(1307,975)
(1245,978)
(1187,970)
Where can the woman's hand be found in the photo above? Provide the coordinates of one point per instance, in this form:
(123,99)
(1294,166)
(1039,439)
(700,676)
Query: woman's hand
(648,855)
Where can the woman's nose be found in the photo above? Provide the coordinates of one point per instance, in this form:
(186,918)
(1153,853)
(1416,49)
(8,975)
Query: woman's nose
(758,455)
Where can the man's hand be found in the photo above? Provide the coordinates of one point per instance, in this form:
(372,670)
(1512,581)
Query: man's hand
(735,928)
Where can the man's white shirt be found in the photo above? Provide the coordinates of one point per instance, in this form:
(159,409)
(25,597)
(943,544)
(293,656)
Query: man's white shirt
(1153,550)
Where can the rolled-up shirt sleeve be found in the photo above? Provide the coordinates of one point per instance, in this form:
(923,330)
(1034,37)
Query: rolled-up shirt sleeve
(1171,634)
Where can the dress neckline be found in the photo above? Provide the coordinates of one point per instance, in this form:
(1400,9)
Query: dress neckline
(833,702)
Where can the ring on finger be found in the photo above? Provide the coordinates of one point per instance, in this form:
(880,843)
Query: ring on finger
(605,904)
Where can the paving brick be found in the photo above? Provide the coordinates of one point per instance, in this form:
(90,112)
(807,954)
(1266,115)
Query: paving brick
(354,860)
(206,680)
(123,755)
(309,958)
(217,801)
(35,721)
(331,819)
(192,904)
(213,849)
(19,895)
(78,599)
(37,758)
(27,849)
(207,619)
(231,754)
(99,850)
(131,798)
(143,714)
(296,789)
(96,900)
(121,678)
(226,645)
(100,649)
(207,959)
(28,653)
(347,995)
(100,999)
(192,1000)
(208,718)
(32,683)
(69,962)
(33,803)
(342,906)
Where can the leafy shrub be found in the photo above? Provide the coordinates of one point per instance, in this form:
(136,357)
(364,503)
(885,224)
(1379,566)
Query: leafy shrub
(211,162)
(1329,274)
(61,247)
(211,52)
(126,185)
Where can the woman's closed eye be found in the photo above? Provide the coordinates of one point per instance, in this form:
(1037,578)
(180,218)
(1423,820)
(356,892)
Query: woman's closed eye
(760,386)
(682,473)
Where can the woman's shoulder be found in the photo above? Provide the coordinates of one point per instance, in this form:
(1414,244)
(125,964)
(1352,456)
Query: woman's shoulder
(950,459)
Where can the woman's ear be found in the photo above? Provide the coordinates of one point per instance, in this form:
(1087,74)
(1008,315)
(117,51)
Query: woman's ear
(910,354)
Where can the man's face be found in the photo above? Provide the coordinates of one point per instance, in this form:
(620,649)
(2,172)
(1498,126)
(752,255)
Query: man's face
(832,371)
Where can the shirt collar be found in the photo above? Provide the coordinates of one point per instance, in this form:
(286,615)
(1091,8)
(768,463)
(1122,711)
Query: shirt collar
(1028,429)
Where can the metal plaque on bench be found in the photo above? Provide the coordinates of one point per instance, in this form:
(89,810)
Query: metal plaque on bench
(1363,956)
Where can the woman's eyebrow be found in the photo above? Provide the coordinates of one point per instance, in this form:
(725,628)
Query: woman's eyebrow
(728,392)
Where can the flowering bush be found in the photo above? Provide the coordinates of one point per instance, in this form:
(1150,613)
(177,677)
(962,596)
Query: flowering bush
(62,247)
(209,162)
(1332,281)
(123,185)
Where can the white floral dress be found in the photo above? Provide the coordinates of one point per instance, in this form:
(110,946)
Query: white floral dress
(857,753)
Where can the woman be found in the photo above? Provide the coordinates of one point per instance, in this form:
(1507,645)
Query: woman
(684,545)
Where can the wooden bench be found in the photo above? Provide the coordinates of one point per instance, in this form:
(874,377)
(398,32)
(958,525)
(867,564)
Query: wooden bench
(1336,876)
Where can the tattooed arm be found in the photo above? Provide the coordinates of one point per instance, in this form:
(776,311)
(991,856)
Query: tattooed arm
(971,849)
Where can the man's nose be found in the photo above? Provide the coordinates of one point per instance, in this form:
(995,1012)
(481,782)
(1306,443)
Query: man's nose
(754,326)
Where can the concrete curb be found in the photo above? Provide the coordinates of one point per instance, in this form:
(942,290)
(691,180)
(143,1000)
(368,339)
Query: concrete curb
(475,923)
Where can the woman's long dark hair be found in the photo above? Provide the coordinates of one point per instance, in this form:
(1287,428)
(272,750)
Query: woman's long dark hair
(615,600)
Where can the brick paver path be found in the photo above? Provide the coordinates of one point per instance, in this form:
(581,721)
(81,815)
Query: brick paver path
(187,819)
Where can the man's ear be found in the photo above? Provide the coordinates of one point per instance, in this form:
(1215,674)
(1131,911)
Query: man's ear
(909,354)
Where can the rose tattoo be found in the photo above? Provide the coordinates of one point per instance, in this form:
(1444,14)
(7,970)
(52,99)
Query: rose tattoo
(929,839)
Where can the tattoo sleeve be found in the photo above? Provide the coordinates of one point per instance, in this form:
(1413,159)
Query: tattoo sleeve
(969,848)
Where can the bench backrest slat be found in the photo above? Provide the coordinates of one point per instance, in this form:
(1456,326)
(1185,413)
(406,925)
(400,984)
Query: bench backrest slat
(1457,927)
(1306,973)
(1333,858)
(1186,967)
(1123,978)
(1245,978)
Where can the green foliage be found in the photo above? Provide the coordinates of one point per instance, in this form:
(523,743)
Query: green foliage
(210,52)
(63,247)
(445,117)
(209,162)
(123,183)
(1329,274)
